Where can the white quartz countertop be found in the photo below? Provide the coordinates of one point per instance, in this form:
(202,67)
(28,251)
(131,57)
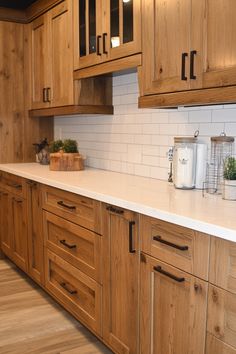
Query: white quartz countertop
(159,199)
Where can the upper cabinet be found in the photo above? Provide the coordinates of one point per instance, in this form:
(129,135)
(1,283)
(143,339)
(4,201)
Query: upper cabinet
(52,58)
(188,50)
(105,30)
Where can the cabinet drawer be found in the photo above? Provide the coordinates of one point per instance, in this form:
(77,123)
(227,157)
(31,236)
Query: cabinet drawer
(221,320)
(78,293)
(223,264)
(215,346)
(80,210)
(13,184)
(179,246)
(77,245)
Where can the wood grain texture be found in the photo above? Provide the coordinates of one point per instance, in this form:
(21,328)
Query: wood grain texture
(215,346)
(223,264)
(221,317)
(173,314)
(40,325)
(120,282)
(194,260)
(70,110)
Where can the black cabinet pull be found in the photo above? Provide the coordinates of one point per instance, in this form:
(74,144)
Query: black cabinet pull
(70,207)
(98,45)
(71,292)
(64,243)
(168,243)
(131,249)
(44,95)
(104,43)
(192,55)
(18,201)
(169,275)
(31,183)
(14,185)
(183,76)
(115,210)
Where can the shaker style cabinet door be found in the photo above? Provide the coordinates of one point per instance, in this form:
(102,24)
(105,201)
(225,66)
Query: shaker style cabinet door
(121,279)
(40,62)
(60,92)
(166,45)
(88,19)
(173,310)
(219,36)
(6,243)
(121,29)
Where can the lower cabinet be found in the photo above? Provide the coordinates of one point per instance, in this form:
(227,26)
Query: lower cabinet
(77,292)
(13,229)
(35,232)
(173,310)
(121,280)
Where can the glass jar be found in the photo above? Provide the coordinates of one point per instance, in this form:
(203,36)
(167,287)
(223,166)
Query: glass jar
(184,162)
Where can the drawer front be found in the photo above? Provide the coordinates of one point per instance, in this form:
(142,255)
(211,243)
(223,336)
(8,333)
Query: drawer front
(221,321)
(181,247)
(13,184)
(223,264)
(80,210)
(79,294)
(215,346)
(77,245)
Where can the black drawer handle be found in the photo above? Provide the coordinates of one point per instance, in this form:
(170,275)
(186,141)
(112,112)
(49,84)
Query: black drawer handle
(168,243)
(131,249)
(169,275)
(71,292)
(192,55)
(115,210)
(104,43)
(31,183)
(61,203)
(19,201)
(98,45)
(64,243)
(183,76)
(44,95)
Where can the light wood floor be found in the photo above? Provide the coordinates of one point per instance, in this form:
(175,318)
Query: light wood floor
(32,323)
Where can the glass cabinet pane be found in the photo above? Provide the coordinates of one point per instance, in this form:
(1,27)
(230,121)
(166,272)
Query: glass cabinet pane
(115,23)
(92,26)
(128,21)
(82,27)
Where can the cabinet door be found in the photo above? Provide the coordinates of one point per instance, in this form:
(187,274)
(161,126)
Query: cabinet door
(166,45)
(173,310)
(88,19)
(6,243)
(34,228)
(39,62)
(61,55)
(121,29)
(121,280)
(18,232)
(219,27)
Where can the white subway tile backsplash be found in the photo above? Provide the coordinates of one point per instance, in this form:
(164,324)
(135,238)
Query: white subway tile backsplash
(136,141)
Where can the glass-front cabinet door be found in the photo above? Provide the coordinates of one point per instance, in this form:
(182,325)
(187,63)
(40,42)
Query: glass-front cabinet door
(87,32)
(122,31)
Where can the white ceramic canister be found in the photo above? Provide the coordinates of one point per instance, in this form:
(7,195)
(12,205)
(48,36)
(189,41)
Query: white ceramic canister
(184,162)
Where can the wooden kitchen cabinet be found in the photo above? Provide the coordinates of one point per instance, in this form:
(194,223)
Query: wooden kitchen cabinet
(193,52)
(215,346)
(35,232)
(105,30)
(52,58)
(121,280)
(173,310)
(222,315)
(4,227)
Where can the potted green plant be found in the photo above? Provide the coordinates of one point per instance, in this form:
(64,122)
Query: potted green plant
(65,156)
(229,190)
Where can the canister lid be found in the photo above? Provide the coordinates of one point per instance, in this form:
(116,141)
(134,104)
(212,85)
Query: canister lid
(185,140)
(222,139)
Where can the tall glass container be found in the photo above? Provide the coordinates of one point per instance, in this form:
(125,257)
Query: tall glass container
(184,162)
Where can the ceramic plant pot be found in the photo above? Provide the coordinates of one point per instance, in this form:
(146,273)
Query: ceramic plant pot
(229,189)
